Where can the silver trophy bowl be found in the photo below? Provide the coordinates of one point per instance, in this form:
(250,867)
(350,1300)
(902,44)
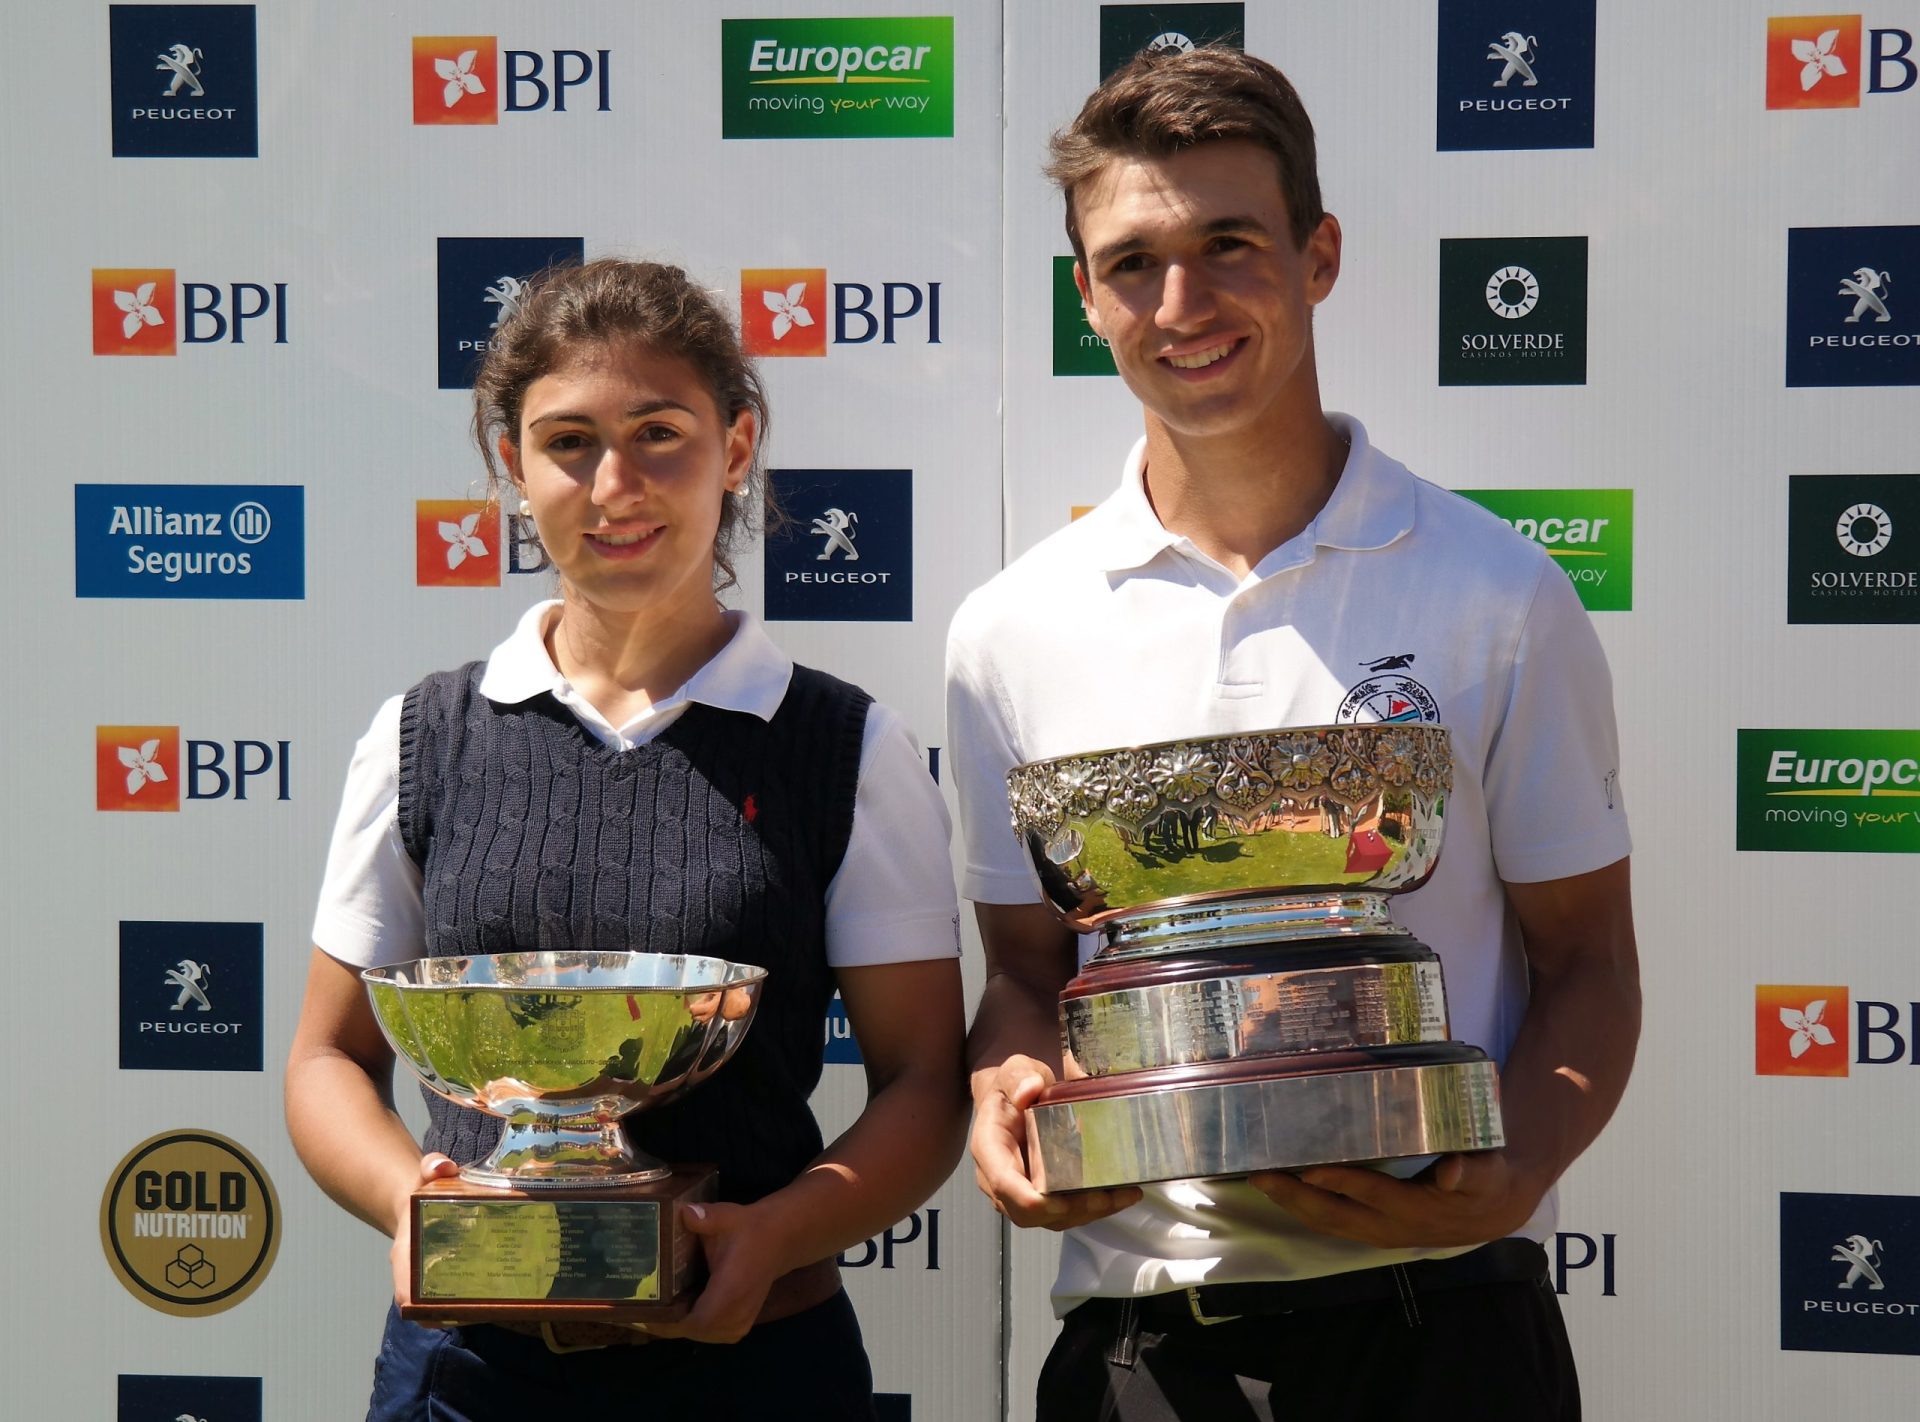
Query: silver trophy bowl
(561,1046)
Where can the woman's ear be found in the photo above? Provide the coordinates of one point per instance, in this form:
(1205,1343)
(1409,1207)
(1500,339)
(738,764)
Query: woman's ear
(742,435)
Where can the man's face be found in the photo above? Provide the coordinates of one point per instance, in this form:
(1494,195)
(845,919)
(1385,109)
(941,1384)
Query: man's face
(1192,276)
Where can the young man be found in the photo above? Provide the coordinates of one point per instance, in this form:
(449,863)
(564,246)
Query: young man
(1256,565)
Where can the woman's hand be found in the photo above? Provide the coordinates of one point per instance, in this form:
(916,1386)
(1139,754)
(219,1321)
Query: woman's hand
(433,1166)
(744,1253)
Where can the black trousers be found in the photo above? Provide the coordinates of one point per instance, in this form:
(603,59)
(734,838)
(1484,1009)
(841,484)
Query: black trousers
(1488,1352)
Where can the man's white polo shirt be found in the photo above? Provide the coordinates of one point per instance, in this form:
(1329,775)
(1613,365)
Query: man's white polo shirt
(1400,601)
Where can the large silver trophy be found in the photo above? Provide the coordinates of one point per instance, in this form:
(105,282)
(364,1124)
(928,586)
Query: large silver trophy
(564,1219)
(1254,1006)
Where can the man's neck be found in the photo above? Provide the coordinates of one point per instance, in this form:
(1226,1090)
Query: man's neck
(1237,498)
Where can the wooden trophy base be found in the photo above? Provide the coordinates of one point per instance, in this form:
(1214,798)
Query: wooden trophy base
(616,1254)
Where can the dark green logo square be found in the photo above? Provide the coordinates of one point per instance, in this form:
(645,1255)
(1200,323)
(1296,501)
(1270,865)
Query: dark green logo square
(1125,30)
(1076,349)
(1513,311)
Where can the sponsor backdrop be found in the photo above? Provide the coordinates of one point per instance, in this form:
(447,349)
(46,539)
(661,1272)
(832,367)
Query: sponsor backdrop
(1640,282)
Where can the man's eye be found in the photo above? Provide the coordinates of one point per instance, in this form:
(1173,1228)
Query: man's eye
(1132,262)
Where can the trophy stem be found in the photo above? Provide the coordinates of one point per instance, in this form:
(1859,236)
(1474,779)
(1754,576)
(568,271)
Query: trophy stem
(1245,921)
(539,1153)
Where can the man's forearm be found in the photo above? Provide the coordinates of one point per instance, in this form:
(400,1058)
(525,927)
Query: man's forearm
(1014,1019)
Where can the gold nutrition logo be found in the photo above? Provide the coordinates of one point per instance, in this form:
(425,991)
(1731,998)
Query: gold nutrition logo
(190,1223)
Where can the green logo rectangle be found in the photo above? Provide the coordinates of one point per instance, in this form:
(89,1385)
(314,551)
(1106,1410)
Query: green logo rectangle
(862,77)
(1588,532)
(1076,349)
(1829,792)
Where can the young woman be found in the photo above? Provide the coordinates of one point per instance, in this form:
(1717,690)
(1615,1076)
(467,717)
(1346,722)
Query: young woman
(635,767)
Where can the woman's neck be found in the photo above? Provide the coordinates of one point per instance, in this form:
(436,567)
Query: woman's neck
(623,663)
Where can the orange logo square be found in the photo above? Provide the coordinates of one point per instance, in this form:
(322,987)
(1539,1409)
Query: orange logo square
(456,79)
(456,543)
(1801,1030)
(1813,62)
(783,311)
(133,311)
(136,768)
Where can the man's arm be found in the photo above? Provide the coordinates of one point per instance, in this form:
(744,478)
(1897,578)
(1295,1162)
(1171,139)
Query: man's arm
(1565,1074)
(1013,1051)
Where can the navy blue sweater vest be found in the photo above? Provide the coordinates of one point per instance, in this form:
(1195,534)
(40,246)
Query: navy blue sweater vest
(718,837)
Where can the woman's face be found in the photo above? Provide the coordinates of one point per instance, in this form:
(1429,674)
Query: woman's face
(625,461)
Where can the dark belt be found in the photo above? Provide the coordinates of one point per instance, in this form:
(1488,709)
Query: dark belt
(806,1287)
(1505,1261)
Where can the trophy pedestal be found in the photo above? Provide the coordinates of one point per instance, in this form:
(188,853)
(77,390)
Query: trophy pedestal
(605,1254)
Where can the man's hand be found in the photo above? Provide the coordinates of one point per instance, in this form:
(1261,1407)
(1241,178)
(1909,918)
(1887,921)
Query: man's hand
(1461,1199)
(999,1146)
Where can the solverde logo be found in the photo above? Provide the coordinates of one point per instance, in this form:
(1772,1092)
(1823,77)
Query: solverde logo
(1077,350)
(865,77)
(1829,791)
(1588,532)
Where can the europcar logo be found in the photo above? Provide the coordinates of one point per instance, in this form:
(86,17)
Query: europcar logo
(140,768)
(135,312)
(1513,311)
(1077,348)
(1800,1030)
(460,79)
(1588,532)
(185,81)
(1820,62)
(1515,74)
(1850,1273)
(1826,791)
(145,1397)
(190,996)
(1125,30)
(1849,319)
(189,541)
(481,281)
(846,555)
(796,311)
(1853,548)
(190,1223)
(862,77)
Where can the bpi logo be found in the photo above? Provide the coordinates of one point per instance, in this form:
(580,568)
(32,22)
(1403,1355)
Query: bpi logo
(184,80)
(153,1398)
(847,555)
(1853,548)
(1847,321)
(458,79)
(1513,311)
(1515,74)
(458,543)
(481,283)
(135,311)
(882,1247)
(1850,1273)
(1817,61)
(1125,30)
(785,311)
(139,768)
(189,541)
(1574,1253)
(190,996)
(1810,1030)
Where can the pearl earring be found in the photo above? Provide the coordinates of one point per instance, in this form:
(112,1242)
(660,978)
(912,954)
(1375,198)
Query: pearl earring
(526,509)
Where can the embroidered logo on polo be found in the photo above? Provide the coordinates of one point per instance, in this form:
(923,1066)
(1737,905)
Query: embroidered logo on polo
(847,554)
(1513,311)
(1514,74)
(1125,30)
(1388,694)
(1850,1273)
(481,282)
(190,996)
(190,1223)
(1077,348)
(145,1397)
(1853,548)
(1826,61)
(1847,321)
(184,81)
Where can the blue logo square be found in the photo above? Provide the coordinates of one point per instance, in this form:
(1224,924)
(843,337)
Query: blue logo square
(846,553)
(1514,74)
(1850,1273)
(841,1048)
(148,1397)
(185,81)
(1850,319)
(190,996)
(481,279)
(190,541)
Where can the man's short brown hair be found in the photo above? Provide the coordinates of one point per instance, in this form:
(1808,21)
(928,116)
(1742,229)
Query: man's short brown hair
(1165,102)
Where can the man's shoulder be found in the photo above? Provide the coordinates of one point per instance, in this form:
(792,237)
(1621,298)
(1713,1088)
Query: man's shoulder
(1471,542)
(1066,563)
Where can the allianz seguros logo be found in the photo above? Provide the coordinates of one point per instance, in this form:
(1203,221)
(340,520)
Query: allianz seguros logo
(847,554)
(1828,791)
(480,282)
(1513,311)
(184,81)
(139,768)
(1514,74)
(1850,1273)
(796,311)
(190,996)
(189,541)
(1587,532)
(854,77)
(1853,548)
(146,1397)
(1125,30)
(1845,323)
(135,312)
(190,1223)
(462,80)
(1820,61)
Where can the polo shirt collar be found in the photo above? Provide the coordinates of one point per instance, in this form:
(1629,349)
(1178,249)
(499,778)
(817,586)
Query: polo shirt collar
(748,674)
(1371,506)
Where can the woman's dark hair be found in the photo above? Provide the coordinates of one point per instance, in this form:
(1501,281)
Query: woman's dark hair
(611,302)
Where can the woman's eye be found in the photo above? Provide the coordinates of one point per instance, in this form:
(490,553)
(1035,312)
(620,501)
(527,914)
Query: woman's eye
(658,434)
(562,443)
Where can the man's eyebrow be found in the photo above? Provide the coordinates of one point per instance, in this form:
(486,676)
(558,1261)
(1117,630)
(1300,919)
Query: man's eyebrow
(1134,241)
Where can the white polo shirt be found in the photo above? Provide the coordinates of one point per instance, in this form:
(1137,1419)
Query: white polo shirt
(892,900)
(1399,601)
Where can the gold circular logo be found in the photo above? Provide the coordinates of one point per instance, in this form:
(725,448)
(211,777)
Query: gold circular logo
(190,1223)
